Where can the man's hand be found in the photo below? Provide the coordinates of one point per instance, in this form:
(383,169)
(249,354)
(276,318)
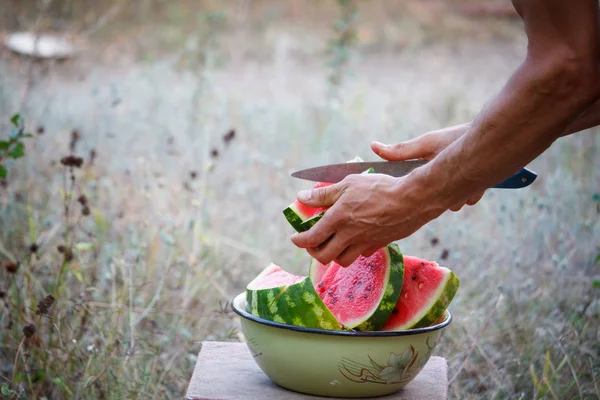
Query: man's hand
(426,147)
(367,212)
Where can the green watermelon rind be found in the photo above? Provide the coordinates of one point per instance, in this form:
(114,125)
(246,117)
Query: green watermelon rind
(296,220)
(297,304)
(443,297)
(442,303)
(391,294)
(309,223)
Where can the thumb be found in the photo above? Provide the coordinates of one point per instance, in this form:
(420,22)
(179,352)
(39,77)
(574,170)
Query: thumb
(320,197)
(419,147)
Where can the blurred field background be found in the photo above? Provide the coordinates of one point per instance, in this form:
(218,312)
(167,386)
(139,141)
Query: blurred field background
(189,116)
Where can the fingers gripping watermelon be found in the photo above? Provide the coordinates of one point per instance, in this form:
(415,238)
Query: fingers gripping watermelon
(303,217)
(427,291)
(281,297)
(363,295)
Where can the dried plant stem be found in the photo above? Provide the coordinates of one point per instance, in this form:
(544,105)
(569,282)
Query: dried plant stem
(164,373)
(131,321)
(8,254)
(154,299)
(93,379)
(220,239)
(27,372)
(85,370)
(104,19)
(562,349)
(472,346)
(487,359)
(17,360)
(136,309)
(28,82)
(595,380)
(68,196)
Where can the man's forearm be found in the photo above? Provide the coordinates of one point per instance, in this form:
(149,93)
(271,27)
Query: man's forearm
(589,119)
(513,130)
(539,103)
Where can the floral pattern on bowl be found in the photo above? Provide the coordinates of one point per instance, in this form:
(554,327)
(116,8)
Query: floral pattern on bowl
(399,369)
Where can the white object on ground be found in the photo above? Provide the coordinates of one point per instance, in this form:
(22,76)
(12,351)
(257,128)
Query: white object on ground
(46,45)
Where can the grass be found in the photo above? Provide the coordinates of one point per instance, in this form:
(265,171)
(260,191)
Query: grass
(180,213)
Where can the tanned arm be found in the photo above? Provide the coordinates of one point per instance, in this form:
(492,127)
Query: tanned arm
(544,99)
(552,92)
(589,119)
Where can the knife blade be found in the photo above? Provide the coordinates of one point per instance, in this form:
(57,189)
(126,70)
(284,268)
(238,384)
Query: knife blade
(334,173)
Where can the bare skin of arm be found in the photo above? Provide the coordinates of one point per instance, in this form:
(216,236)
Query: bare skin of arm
(557,83)
(430,144)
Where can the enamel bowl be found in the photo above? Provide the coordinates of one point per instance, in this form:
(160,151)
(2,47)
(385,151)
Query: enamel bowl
(341,364)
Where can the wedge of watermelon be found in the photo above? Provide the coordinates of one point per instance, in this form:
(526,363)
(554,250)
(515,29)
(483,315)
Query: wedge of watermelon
(277,295)
(427,291)
(302,217)
(362,296)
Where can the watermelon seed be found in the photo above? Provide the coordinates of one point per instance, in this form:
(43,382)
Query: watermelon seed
(321,283)
(395,311)
(350,296)
(406,295)
(414,277)
(421,285)
(329,291)
(368,289)
(365,296)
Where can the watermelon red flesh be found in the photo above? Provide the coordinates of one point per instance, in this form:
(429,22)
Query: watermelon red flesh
(427,291)
(273,276)
(303,217)
(362,295)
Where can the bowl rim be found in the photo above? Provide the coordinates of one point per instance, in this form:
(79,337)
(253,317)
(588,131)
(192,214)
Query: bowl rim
(244,314)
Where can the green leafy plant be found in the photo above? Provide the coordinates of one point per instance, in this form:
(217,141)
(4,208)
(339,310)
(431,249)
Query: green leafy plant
(13,148)
(5,389)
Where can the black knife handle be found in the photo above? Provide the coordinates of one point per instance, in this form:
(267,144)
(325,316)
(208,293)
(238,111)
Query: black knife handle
(519,180)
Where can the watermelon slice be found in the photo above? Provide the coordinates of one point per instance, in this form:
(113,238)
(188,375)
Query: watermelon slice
(427,291)
(303,217)
(277,295)
(362,296)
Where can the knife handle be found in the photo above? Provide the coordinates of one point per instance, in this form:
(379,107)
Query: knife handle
(519,180)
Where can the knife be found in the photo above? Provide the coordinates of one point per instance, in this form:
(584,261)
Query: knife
(334,173)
